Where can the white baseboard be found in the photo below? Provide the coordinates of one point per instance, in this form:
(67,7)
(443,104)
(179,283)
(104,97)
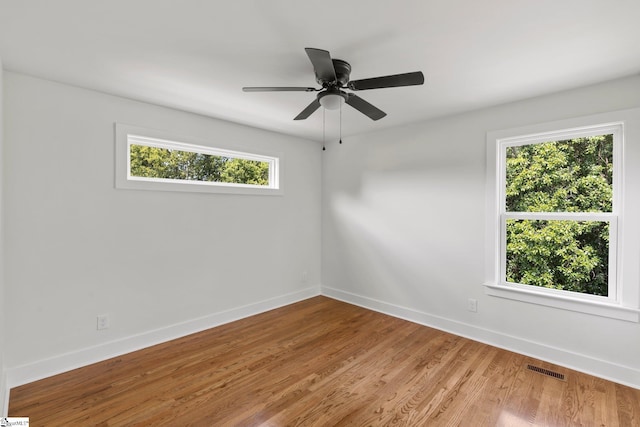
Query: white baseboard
(4,395)
(578,362)
(24,374)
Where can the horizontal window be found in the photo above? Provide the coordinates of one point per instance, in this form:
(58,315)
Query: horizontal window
(149,160)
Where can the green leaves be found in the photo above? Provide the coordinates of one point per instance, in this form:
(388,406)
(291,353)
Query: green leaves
(245,172)
(559,254)
(560,176)
(163,163)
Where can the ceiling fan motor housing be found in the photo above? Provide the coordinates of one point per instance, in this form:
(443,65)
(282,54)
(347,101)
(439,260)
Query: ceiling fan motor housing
(343,71)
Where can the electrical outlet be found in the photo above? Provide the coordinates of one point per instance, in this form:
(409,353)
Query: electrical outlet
(305,277)
(103,322)
(472,305)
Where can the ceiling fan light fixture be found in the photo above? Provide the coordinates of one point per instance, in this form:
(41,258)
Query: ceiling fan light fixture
(331,101)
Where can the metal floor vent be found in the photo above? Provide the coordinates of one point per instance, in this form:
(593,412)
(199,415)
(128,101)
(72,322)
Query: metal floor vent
(546,372)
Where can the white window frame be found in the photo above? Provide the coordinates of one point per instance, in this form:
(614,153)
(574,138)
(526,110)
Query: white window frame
(622,302)
(610,217)
(126,135)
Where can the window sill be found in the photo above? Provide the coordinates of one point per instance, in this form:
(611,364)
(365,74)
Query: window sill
(197,187)
(612,311)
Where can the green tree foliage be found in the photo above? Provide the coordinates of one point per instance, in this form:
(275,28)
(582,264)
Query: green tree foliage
(560,176)
(246,172)
(153,162)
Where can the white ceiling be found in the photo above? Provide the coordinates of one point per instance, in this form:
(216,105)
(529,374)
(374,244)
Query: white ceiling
(196,55)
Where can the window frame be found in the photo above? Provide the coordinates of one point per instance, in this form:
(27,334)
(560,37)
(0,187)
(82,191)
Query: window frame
(622,302)
(614,129)
(127,135)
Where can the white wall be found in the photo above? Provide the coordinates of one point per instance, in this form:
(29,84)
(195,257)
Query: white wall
(161,264)
(3,388)
(404,233)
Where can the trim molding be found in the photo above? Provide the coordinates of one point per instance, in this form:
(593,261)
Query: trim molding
(24,374)
(535,296)
(600,368)
(4,395)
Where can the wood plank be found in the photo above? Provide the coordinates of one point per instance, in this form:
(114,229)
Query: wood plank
(323,362)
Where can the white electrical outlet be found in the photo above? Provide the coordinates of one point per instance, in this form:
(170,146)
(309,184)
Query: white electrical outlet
(103,322)
(305,277)
(472,305)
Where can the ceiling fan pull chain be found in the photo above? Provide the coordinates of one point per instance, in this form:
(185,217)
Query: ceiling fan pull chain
(324,125)
(341,123)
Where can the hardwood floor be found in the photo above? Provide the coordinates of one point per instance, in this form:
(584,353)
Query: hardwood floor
(321,362)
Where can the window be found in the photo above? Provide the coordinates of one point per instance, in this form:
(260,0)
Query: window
(151,160)
(558,216)
(554,217)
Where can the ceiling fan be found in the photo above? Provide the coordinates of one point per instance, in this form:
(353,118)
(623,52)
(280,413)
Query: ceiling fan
(333,76)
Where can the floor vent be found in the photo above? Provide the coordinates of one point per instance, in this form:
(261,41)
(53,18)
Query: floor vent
(546,372)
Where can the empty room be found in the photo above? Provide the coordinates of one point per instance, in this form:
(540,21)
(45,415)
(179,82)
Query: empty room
(280,213)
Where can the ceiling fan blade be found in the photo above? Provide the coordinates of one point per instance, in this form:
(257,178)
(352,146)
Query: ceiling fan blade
(364,107)
(278,89)
(322,65)
(396,80)
(308,111)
